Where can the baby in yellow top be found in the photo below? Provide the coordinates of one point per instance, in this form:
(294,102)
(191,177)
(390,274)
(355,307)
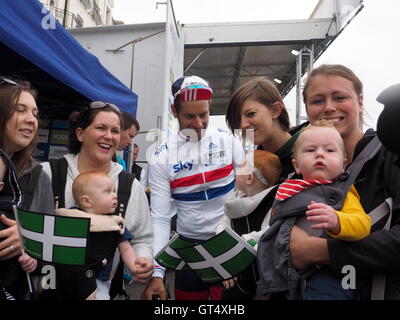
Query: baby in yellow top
(320,157)
(319,154)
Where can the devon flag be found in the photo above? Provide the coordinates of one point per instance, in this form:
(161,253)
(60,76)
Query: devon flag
(219,258)
(168,258)
(54,239)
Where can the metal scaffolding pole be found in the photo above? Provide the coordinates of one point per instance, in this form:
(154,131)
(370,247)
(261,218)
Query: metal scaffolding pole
(299,83)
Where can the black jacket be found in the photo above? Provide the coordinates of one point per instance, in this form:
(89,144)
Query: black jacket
(12,277)
(379,253)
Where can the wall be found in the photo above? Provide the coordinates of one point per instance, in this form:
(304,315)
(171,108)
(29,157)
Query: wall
(148,67)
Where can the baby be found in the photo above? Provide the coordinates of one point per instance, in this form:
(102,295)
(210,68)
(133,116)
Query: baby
(246,214)
(319,156)
(94,192)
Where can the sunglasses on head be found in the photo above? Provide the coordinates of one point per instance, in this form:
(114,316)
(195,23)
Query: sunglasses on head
(101,105)
(7,81)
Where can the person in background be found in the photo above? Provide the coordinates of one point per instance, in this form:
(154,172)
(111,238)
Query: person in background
(257,108)
(130,128)
(389,119)
(138,171)
(18,133)
(253,183)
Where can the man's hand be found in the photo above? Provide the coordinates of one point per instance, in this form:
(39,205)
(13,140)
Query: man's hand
(325,216)
(10,245)
(230,283)
(155,288)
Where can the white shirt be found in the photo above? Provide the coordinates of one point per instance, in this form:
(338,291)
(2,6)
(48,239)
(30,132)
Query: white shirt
(195,177)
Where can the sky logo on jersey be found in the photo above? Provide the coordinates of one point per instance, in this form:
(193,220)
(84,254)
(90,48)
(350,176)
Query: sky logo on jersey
(182,166)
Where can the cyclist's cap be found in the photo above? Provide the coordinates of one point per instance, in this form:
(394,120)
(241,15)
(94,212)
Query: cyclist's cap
(191,88)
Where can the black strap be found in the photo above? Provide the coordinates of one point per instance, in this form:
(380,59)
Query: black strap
(125,181)
(352,171)
(59,169)
(136,170)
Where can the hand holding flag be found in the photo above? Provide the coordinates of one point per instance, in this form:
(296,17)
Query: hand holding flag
(10,245)
(27,263)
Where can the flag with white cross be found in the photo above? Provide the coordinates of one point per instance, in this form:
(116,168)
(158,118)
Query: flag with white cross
(168,258)
(219,258)
(54,239)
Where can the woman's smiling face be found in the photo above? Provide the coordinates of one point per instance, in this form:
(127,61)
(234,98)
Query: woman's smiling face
(21,128)
(258,117)
(101,138)
(334,99)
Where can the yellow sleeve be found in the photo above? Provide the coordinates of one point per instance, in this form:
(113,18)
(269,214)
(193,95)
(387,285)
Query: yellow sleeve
(355,224)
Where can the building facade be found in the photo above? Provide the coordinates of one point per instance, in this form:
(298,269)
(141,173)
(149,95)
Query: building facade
(82,13)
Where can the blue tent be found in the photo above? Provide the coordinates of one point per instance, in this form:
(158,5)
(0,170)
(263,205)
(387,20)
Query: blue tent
(58,66)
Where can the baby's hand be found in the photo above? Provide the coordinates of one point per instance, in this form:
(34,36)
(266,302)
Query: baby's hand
(325,216)
(27,263)
(143,270)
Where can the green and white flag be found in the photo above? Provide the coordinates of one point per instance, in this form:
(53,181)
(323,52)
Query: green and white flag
(168,258)
(219,258)
(52,238)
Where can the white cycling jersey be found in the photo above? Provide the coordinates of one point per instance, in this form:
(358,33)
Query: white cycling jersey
(195,177)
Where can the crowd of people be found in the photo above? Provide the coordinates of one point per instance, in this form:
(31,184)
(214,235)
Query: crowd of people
(312,199)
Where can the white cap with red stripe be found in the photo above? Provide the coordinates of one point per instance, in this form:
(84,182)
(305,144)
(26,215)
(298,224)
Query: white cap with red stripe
(191,88)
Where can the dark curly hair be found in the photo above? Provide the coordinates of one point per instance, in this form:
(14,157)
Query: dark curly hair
(82,119)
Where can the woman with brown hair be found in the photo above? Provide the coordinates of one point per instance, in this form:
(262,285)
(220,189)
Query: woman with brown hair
(334,93)
(94,137)
(257,108)
(18,132)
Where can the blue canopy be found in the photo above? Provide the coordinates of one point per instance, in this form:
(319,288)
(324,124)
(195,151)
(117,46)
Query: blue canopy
(25,28)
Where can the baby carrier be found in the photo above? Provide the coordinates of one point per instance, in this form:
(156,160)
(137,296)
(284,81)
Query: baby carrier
(276,272)
(85,275)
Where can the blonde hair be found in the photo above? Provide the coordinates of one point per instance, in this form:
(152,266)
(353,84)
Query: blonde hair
(269,166)
(82,183)
(317,124)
